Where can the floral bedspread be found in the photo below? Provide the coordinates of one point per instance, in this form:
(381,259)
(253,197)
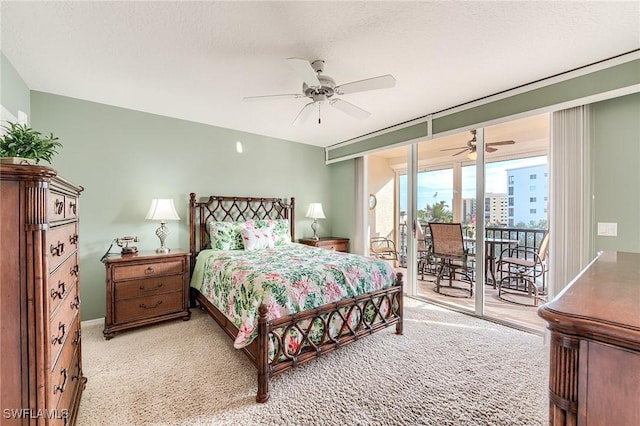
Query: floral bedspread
(288,279)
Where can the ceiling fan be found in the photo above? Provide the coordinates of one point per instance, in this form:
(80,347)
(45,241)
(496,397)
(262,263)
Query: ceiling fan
(471,146)
(321,88)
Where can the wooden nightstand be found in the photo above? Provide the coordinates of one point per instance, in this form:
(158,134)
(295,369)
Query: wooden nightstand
(146,288)
(329,243)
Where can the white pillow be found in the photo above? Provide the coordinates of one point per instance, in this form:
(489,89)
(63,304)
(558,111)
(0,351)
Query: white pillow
(259,238)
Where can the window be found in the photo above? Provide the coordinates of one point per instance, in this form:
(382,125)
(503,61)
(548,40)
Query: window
(510,211)
(511,190)
(510,201)
(532,211)
(532,199)
(532,177)
(511,180)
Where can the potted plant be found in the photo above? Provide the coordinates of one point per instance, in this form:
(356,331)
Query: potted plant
(22,145)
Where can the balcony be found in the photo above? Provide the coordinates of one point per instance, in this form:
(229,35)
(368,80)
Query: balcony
(524,317)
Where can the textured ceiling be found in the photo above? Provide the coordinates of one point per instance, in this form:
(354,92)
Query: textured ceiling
(197,60)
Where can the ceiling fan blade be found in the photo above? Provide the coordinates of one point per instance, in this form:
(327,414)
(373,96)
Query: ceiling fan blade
(458,147)
(350,109)
(304,113)
(270,97)
(500,143)
(305,71)
(489,149)
(382,82)
(458,153)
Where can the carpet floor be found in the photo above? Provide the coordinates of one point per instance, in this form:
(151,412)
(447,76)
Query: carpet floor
(446,369)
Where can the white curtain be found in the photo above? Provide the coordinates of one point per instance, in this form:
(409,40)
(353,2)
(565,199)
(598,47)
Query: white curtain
(570,203)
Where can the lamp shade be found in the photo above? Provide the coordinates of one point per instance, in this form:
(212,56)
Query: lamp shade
(315,211)
(472,155)
(162,209)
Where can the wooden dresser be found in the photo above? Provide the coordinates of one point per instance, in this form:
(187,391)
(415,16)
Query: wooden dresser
(329,243)
(41,358)
(594,376)
(146,288)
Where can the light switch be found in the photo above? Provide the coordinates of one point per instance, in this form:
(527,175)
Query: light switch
(607,229)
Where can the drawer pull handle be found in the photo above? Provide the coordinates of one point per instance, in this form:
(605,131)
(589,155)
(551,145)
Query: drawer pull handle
(74,270)
(77,338)
(158,303)
(59,293)
(56,388)
(149,270)
(72,207)
(142,287)
(57,250)
(76,303)
(61,331)
(73,239)
(59,206)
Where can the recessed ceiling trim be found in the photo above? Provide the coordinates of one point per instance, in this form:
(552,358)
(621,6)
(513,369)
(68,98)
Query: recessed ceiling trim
(588,84)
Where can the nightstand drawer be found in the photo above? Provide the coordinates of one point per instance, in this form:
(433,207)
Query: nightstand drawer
(328,243)
(148,307)
(147,287)
(147,270)
(335,246)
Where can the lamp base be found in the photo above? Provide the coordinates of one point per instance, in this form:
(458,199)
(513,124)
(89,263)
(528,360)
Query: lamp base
(164,250)
(314,226)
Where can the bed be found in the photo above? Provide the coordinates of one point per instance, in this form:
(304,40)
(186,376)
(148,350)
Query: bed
(283,303)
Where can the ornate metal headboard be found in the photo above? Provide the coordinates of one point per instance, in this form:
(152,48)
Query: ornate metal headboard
(230,209)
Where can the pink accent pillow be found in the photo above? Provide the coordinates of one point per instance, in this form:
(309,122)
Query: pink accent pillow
(259,238)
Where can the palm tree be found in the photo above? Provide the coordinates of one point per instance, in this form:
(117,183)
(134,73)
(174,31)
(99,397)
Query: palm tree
(439,212)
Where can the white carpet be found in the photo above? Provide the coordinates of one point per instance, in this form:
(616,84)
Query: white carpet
(447,369)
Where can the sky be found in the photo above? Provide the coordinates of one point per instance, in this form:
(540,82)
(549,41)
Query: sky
(437,185)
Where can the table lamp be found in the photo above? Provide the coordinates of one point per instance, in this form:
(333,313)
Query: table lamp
(315,212)
(162,209)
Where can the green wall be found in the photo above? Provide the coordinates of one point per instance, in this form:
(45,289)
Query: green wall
(343,193)
(14,93)
(616,172)
(124,158)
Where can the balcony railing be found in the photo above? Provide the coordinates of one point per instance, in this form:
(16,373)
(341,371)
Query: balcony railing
(525,236)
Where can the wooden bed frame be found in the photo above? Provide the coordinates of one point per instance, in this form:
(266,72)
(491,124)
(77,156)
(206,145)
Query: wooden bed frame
(224,208)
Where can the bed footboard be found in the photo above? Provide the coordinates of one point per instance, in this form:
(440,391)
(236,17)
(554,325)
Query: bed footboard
(355,318)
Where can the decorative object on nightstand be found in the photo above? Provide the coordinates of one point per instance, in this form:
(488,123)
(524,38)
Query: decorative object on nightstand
(315,212)
(328,243)
(145,288)
(162,209)
(124,242)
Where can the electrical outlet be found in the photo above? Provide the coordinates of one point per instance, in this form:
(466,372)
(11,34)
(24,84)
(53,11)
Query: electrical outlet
(607,229)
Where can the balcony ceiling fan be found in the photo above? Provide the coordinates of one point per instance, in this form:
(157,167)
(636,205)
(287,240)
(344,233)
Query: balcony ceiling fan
(321,88)
(471,146)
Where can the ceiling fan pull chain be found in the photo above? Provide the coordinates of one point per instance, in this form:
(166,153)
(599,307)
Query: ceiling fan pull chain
(319,112)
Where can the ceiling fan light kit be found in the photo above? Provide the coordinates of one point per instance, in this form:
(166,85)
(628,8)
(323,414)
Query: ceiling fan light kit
(321,88)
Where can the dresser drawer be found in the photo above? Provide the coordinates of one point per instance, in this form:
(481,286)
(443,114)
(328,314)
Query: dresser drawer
(62,241)
(62,281)
(65,402)
(63,369)
(60,327)
(61,206)
(147,287)
(55,206)
(148,307)
(148,270)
